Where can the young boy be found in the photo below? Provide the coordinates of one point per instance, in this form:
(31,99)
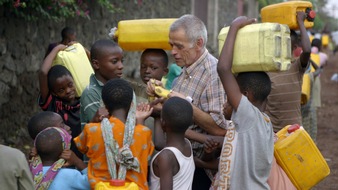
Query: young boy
(43,120)
(107,63)
(46,167)
(283,105)
(173,167)
(252,158)
(154,64)
(101,141)
(57,93)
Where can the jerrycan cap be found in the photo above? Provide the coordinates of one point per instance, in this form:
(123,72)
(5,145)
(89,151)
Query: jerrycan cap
(293,128)
(117,182)
(312,14)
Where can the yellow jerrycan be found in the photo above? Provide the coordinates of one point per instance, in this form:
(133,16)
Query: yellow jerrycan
(75,59)
(116,185)
(325,40)
(285,13)
(141,34)
(306,89)
(260,47)
(299,157)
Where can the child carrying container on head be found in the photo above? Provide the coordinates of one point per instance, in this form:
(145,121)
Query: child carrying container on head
(46,166)
(57,93)
(252,155)
(118,147)
(173,167)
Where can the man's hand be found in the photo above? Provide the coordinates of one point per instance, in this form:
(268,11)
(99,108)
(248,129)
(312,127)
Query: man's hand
(301,16)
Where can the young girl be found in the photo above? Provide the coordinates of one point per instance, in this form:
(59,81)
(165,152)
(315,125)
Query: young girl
(51,144)
(57,93)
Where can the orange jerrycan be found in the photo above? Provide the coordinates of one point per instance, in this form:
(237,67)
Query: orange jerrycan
(285,13)
(299,157)
(260,47)
(138,35)
(75,59)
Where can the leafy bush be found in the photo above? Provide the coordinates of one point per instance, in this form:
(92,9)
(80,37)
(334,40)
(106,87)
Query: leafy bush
(56,10)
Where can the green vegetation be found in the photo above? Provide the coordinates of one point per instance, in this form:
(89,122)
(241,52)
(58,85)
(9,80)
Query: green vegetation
(55,10)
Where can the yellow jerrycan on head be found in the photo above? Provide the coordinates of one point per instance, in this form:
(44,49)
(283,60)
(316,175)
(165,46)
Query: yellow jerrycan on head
(141,34)
(299,157)
(285,13)
(260,47)
(75,59)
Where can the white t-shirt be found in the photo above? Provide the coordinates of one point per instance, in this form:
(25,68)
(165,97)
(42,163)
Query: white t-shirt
(184,177)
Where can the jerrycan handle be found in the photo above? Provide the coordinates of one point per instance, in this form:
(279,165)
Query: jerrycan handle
(310,14)
(293,128)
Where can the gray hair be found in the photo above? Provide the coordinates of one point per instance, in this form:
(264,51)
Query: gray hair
(194,28)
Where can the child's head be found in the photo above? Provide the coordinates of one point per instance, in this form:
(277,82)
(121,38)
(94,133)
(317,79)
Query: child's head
(61,83)
(117,94)
(316,43)
(68,34)
(176,115)
(295,41)
(50,143)
(107,60)
(154,64)
(255,85)
(43,120)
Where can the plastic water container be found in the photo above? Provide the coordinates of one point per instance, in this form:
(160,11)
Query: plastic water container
(299,157)
(285,13)
(75,59)
(325,40)
(306,89)
(116,185)
(315,58)
(138,35)
(260,47)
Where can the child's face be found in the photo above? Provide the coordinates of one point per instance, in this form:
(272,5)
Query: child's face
(152,66)
(58,122)
(64,88)
(110,64)
(227,111)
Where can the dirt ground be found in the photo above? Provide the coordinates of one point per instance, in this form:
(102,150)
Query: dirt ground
(328,124)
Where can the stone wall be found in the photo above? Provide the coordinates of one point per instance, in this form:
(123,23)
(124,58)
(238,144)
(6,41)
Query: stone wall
(23,44)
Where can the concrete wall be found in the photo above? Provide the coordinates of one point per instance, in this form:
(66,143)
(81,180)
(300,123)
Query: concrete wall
(23,44)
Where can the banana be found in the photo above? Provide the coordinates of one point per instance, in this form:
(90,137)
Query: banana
(162,92)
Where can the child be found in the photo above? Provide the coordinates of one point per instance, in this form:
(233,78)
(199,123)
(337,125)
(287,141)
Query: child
(154,64)
(43,120)
(173,167)
(250,165)
(101,141)
(283,105)
(107,63)
(14,169)
(46,167)
(67,34)
(57,93)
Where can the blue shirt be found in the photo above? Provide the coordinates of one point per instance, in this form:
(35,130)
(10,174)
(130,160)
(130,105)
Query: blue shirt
(69,179)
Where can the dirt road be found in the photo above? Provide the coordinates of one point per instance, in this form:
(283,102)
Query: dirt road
(327,139)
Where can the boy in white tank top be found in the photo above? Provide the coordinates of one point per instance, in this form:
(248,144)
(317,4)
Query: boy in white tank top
(173,167)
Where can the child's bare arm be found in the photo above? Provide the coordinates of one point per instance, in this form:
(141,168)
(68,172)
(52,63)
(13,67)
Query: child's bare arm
(211,164)
(72,160)
(306,45)
(45,67)
(225,62)
(165,162)
(159,137)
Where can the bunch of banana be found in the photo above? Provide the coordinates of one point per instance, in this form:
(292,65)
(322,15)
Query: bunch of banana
(160,91)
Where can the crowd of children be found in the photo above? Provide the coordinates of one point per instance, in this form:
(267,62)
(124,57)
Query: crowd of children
(205,137)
